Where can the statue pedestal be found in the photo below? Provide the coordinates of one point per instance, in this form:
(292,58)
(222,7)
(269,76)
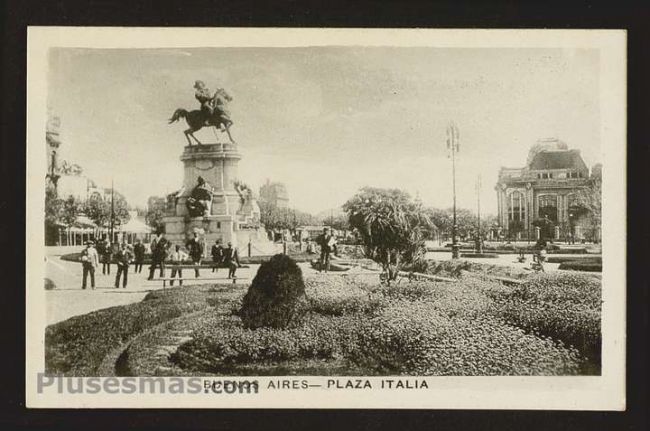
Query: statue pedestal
(231,216)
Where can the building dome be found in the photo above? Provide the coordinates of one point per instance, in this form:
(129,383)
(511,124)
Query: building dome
(547,144)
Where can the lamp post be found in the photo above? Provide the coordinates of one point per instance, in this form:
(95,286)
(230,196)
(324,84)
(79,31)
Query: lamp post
(479,239)
(112,214)
(453,146)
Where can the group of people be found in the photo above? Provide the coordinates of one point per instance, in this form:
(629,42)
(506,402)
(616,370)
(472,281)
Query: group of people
(122,255)
(162,251)
(225,257)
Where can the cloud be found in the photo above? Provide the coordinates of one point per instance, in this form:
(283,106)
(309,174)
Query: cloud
(327,121)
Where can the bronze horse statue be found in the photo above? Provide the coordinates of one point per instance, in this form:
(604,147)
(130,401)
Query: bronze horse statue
(199,118)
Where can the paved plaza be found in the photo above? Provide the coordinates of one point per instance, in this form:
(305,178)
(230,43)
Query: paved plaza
(69,300)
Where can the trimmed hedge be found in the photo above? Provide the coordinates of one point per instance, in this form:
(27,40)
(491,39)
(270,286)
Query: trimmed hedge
(587,264)
(413,328)
(566,307)
(590,258)
(458,267)
(480,255)
(77,346)
(550,325)
(581,266)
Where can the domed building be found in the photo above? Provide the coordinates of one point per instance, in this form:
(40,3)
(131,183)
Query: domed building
(546,198)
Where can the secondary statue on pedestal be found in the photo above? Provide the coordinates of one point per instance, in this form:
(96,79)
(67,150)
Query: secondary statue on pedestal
(213,112)
(200,200)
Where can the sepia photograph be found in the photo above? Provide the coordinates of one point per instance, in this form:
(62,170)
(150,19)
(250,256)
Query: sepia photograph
(327,215)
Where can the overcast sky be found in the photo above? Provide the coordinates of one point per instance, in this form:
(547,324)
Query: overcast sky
(326,121)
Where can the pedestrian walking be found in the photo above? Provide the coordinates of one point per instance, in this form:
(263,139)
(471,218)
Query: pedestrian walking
(231,260)
(177,257)
(217,255)
(327,242)
(104,249)
(89,261)
(159,250)
(138,251)
(195,248)
(123,258)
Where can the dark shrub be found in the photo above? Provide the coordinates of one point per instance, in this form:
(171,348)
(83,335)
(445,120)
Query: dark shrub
(277,295)
(480,255)
(49,284)
(582,265)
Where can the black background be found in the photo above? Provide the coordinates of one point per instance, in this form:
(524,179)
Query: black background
(18,14)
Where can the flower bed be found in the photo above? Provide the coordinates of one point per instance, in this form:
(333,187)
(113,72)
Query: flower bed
(146,354)
(77,346)
(456,267)
(359,328)
(566,307)
(550,325)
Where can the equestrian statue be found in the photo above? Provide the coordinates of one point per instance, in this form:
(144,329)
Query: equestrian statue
(213,112)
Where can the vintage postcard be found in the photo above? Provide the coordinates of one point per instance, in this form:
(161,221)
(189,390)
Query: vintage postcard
(326,218)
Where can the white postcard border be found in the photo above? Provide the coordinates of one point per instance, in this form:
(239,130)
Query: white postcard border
(605,392)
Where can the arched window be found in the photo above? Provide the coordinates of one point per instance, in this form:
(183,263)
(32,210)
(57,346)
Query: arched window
(576,207)
(516,206)
(548,207)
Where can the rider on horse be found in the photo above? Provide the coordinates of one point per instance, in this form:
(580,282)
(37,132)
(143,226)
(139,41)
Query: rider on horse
(204,97)
(213,112)
(212,103)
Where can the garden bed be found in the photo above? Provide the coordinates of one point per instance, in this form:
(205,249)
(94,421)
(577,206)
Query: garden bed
(77,346)
(564,306)
(578,265)
(585,258)
(480,255)
(549,325)
(360,328)
(457,267)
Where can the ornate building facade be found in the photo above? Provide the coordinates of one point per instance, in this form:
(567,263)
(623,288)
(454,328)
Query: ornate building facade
(544,197)
(275,194)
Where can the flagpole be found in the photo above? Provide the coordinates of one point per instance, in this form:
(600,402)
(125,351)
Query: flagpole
(454,228)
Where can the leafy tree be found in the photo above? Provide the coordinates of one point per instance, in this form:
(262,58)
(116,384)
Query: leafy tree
(53,208)
(98,210)
(443,219)
(391,225)
(70,210)
(590,198)
(155,213)
(274,218)
(339,222)
(59,212)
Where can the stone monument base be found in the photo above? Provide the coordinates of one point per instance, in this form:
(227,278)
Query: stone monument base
(231,213)
(223,227)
